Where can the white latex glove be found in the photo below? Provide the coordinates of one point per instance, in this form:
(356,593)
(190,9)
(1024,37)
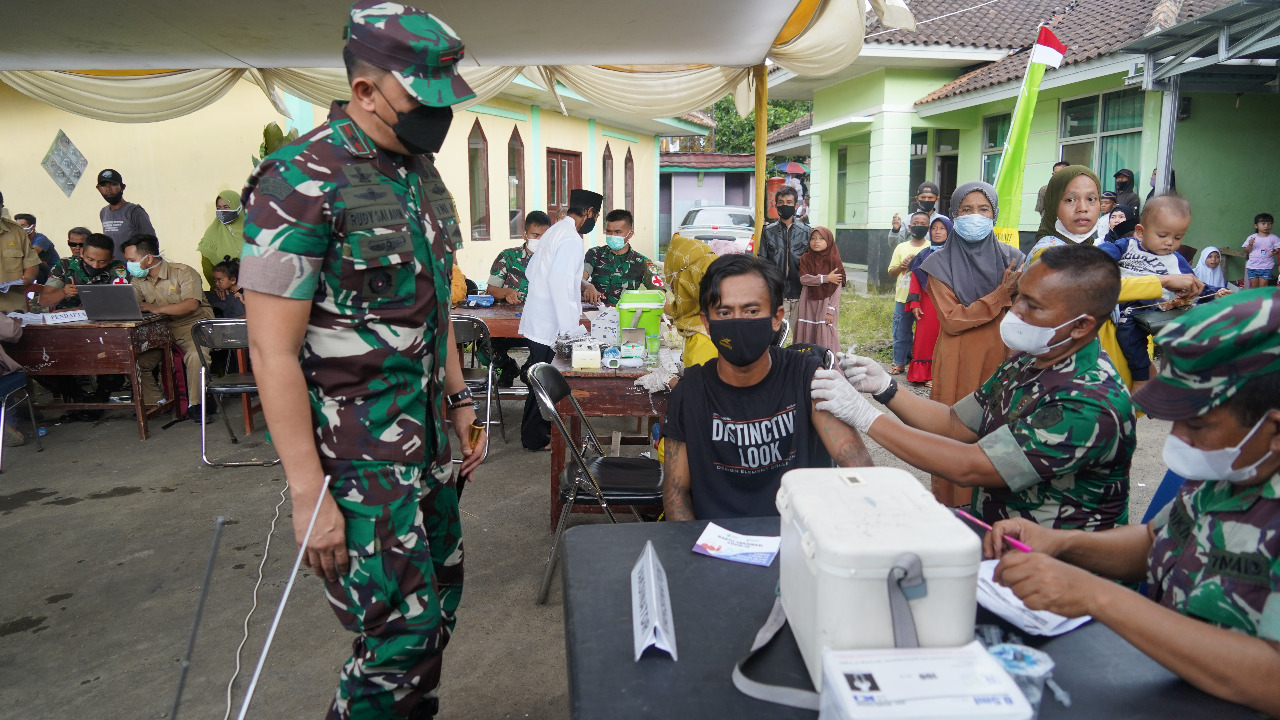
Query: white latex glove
(865,374)
(838,397)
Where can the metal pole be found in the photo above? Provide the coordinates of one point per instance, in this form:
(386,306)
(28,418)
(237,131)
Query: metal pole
(759,76)
(195,625)
(1168,134)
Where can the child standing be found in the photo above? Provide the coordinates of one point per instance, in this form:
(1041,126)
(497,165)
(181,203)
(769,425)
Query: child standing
(821,278)
(227,297)
(1152,251)
(1261,246)
(899,267)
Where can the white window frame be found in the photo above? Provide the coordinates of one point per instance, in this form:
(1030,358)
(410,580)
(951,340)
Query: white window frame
(1096,137)
(998,151)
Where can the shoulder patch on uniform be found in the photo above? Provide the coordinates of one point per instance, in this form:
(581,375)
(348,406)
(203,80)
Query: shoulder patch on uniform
(1046,417)
(276,187)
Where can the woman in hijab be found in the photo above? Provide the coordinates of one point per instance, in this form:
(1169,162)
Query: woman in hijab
(971,281)
(822,277)
(225,235)
(1209,269)
(1072,201)
(919,304)
(1123,220)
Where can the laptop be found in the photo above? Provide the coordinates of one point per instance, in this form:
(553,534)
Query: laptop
(109,303)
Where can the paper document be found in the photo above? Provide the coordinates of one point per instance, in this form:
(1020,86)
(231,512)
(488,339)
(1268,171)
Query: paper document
(4,286)
(1001,601)
(726,545)
(915,683)
(651,605)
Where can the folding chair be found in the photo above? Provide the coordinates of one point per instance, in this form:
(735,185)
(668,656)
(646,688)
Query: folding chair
(596,480)
(783,333)
(11,385)
(468,329)
(222,334)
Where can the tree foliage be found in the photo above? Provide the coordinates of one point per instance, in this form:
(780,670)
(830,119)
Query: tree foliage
(735,134)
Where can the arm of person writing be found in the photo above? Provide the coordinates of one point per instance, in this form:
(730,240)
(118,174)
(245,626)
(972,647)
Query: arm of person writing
(182,307)
(277,327)
(677,504)
(1230,665)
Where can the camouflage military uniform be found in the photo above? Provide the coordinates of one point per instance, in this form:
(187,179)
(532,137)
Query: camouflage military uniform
(611,273)
(508,271)
(1061,438)
(1216,555)
(368,237)
(72,270)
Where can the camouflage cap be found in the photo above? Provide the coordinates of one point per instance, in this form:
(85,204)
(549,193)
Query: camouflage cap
(1211,352)
(419,49)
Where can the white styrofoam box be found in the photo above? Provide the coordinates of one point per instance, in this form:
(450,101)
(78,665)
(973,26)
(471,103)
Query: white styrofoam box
(842,528)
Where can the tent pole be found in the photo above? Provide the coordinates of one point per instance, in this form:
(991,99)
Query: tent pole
(760,77)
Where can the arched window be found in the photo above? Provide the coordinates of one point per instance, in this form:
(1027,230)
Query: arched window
(515,182)
(608,180)
(478,172)
(629,183)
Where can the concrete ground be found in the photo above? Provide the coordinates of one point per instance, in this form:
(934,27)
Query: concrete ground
(108,539)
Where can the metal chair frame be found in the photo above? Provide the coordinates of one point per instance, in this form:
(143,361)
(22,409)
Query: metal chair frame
(541,376)
(469,329)
(25,388)
(784,332)
(222,334)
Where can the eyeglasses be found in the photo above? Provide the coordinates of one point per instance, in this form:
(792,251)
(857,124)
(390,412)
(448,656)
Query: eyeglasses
(75,245)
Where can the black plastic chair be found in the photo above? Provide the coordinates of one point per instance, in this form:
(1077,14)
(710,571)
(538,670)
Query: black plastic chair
(222,334)
(11,385)
(592,478)
(471,330)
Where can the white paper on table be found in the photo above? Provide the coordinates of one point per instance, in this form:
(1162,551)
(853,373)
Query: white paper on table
(651,605)
(1001,601)
(910,683)
(717,542)
(4,286)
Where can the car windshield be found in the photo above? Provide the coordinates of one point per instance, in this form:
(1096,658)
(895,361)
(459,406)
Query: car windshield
(719,216)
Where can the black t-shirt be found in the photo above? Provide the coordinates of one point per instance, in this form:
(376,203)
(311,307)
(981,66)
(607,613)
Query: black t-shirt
(740,441)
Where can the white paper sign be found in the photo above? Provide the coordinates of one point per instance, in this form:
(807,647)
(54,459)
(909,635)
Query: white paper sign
(913,683)
(727,545)
(1001,601)
(63,317)
(651,605)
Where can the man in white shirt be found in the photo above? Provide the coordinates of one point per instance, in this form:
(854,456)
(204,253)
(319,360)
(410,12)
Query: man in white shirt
(553,303)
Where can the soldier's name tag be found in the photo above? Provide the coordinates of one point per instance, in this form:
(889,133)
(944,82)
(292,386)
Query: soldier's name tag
(372,216)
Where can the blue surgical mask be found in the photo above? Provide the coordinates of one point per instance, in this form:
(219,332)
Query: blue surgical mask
(973,228)
(615,242)
(135,268)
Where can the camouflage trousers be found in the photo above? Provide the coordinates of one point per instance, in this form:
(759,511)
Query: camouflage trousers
(401,594)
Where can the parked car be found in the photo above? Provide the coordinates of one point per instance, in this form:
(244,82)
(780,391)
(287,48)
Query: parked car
(721,222)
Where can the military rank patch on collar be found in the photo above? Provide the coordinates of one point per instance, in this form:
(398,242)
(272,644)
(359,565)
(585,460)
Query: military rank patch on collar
(276,187)
(354,140)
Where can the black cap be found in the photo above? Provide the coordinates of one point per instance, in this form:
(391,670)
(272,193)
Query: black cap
(585,199)
(928,186)
(110,176)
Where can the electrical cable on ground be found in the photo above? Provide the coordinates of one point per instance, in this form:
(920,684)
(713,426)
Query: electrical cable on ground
(265,551)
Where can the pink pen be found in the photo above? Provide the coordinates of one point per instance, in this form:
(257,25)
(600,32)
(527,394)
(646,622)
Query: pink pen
(1015,544)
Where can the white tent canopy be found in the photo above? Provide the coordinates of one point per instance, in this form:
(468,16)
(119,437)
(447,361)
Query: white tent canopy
(652,59)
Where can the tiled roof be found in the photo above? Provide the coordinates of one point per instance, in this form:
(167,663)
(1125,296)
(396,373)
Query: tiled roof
(1000,24)
(791,129)
(707,160)
(699,117)
(1088,28)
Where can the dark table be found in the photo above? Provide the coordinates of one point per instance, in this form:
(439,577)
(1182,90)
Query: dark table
(502,319)
(718,607)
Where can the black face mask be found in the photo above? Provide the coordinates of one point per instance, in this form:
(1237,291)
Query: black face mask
(786,212)
(91,271)
(918,231)
(113,199)
(421,130)
(928,205)
(587,226)
(1123,184)
(741,341)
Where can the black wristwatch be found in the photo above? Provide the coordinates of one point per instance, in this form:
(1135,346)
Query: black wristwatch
(457,399)
(884,396)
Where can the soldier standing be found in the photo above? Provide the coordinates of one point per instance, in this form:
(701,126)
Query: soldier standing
(349,242)
(1212,555)
(1050,435)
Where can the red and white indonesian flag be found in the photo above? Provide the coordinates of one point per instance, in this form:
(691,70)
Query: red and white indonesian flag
(1048,50)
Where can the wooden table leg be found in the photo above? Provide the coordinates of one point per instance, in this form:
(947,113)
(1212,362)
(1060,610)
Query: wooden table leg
(139,405)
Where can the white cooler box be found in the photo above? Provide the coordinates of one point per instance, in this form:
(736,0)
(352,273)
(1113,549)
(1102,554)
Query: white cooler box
(842,530)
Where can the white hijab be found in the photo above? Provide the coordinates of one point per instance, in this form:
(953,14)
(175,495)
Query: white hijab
(1208,275)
